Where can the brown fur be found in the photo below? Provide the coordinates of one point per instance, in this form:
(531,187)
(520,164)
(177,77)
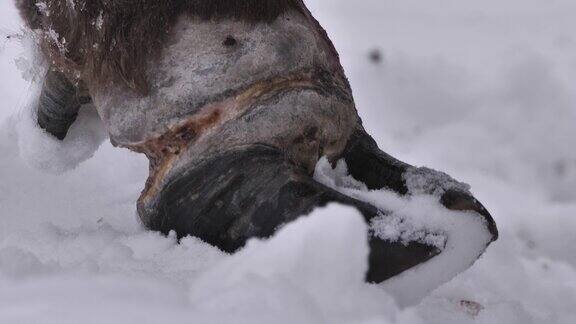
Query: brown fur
(132,32)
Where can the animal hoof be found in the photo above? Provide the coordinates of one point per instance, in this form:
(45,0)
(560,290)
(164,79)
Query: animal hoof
(462,201)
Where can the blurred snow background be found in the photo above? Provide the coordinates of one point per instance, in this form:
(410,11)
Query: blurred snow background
(483,90)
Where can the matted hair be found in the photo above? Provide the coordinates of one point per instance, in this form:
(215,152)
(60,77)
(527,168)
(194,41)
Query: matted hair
(110,41)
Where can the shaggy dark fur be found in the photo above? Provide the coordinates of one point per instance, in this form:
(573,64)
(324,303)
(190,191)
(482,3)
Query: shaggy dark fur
(130,34)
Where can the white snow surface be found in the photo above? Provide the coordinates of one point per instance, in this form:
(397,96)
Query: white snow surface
(483,90)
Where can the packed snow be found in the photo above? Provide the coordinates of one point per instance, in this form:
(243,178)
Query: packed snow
(483,90)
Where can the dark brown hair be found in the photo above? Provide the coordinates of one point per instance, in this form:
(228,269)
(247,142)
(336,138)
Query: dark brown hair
(104,41)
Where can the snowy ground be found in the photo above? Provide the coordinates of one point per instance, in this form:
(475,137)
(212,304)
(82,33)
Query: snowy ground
(483,90)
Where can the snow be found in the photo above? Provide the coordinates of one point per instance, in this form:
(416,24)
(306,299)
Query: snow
(45,152)
(302,285)
(427,181)
(43,7)
(482,90)
(396,229)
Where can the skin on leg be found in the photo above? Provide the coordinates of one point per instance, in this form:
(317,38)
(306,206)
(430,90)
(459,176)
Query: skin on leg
(251,192)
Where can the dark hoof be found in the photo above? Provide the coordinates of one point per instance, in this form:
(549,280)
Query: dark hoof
(461,201)
(388,259)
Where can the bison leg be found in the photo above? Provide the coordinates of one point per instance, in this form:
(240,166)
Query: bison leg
(253,191)
(378,170)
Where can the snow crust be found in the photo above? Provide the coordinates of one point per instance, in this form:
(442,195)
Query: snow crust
(482,90)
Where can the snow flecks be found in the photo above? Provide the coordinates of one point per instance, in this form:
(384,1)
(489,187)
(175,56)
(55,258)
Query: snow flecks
(396,229)
(43,7)
(427,181)
(71,4)
(462,236)
(55,37)
(337,176)
(99,21)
